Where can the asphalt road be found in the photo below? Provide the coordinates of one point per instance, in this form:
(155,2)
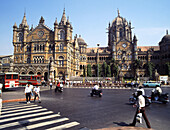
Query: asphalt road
(111,110)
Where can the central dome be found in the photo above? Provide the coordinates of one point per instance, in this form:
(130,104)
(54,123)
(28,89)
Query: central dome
(166,38)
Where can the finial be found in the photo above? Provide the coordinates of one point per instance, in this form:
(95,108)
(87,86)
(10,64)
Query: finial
(56,23)
(64,11)
(15,25)
(167,32)
(24,11)
(118,12)
(42,20)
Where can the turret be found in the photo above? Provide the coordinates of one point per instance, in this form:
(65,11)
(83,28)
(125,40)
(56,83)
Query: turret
(14,32)
(55,30)
(135,46)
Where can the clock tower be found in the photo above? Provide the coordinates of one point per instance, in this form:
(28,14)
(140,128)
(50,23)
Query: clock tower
(121,45)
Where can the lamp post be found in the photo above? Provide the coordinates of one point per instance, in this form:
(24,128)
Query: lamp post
(98,62)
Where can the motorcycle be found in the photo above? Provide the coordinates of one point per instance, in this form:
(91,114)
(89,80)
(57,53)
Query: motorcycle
(163,98)
(133,99)
(96,92)
(59,89)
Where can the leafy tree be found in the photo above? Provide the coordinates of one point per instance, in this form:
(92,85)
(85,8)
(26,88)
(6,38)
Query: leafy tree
(137,64)
(150,67)
(84,72)
(104,69)
(89,74)
(108,71)
(98,70)
(114,67)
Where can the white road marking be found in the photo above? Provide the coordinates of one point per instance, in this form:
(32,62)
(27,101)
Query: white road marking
(68,125)
(20,113)
(14,105)
(29,120)
(25,116)
(18,107)
(20,110)
(45,123)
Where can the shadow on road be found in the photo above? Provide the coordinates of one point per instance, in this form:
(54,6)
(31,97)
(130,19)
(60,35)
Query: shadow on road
(121,123)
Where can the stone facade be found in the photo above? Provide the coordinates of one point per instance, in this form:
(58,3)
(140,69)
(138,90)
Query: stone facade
(52,54)
(55,54)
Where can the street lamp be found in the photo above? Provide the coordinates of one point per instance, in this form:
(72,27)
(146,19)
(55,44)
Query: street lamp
(98,62)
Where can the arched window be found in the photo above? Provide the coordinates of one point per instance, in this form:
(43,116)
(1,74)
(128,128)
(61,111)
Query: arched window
(61,47)
(80,66)
(50,47)
(61,61)
(62,35)
(28,60)
(19,37)
(121,33)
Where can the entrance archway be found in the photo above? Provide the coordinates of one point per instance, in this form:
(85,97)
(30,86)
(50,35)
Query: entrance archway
(38,73)
(46,76)
(30,72)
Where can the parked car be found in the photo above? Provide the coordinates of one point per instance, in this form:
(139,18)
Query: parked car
(151,84)
(128,84)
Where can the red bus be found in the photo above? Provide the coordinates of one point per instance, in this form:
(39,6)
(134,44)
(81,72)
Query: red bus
(33,79)
(9,79)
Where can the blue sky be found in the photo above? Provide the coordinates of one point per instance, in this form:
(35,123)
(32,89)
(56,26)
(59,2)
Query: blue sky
(89,18)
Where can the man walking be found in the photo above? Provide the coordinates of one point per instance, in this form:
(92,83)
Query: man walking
(28,91)
(140,109)
(37,93)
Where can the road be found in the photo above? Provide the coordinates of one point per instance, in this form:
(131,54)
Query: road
(111,110)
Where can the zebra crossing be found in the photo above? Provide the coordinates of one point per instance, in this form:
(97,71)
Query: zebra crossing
(21,116)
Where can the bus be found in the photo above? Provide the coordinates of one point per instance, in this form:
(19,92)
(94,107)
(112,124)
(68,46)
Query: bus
(33,79)
(9,80)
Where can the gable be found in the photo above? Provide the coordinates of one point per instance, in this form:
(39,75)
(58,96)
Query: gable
(41,32)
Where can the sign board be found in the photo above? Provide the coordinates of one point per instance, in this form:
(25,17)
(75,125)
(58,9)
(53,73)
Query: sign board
(163,78)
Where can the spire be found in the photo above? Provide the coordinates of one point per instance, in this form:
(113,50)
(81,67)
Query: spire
(134,39)
(56,23)
(31,28)
(118,12)
(15,25)
(24,21)
(63,19)
(167,32)
(68,22)
(41,20)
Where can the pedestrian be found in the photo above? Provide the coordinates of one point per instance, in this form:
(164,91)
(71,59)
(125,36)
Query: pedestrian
(57,86)
(28,92)
(37,93)
(140,109)
(32,87)
(51,84)
(141,89)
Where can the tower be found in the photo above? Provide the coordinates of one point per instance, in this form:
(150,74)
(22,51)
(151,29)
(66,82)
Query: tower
(19,40)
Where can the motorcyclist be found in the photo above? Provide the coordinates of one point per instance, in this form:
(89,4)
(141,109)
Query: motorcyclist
(95,88)
(57,86)
(156,92)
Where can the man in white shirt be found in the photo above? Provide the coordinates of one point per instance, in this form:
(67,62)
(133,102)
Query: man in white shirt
(37,93)
(140,109)
(95,88)
(28,92)
(141,89)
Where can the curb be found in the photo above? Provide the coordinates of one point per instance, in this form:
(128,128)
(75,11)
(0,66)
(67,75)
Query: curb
(15,100)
